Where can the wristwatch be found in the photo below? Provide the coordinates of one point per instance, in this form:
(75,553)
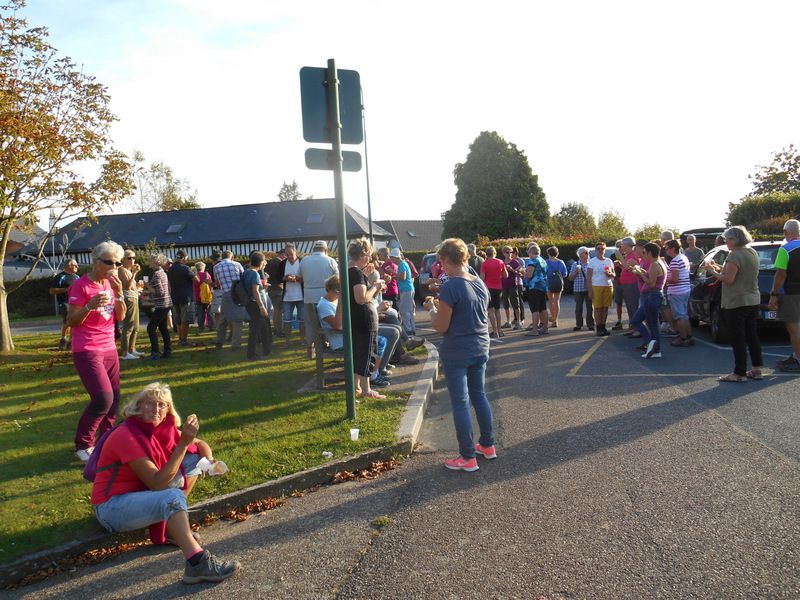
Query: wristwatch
(775,294)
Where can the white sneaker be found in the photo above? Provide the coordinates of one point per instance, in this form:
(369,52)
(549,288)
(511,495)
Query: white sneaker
(84,454)
(129,356)
(137,354)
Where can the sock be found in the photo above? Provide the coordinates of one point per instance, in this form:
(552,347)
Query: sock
(195,558)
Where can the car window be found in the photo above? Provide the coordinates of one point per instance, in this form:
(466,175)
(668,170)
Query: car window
(718,256)
(766,256)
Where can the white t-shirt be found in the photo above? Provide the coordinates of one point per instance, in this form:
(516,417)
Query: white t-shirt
(599,277)
(326,308)
(294,290)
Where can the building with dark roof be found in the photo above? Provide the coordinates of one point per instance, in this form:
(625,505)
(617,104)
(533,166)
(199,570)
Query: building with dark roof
(240,228)
(413,235)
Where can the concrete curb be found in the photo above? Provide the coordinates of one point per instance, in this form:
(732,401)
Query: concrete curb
(408,431)
(411,421)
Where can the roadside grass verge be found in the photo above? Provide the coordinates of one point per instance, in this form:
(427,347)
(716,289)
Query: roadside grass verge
(250,413)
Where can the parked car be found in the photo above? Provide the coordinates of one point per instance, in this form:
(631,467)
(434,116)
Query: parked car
(706,294)
(421,287)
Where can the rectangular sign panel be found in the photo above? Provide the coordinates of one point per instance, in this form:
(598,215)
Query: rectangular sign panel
(314,100)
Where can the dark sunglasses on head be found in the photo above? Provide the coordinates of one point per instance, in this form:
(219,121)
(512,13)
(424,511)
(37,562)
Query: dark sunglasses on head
(110,263)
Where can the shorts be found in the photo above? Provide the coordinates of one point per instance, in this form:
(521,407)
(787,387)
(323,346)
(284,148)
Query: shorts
(181,312)
(537,300)
(680,306)
(494,298)
(62,310)
(511,298)
(363,344)
(789,308)
(618,296)
(602,295)
(292,311)
(555,284)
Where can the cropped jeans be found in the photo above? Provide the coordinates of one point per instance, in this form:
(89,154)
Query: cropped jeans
(649,305)
(465,381)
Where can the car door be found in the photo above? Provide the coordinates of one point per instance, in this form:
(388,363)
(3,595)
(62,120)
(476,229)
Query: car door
(706,290)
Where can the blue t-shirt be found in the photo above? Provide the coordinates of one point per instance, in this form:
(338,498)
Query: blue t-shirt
(556,265)
(326,308)
(468,333)
(408,284)
(539,279)
(250,279)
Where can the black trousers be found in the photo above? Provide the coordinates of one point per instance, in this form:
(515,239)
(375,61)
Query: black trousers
(260,331)
(582,299)
(158,321)
(743,324)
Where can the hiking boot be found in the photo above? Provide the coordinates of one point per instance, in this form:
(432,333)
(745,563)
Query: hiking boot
(603,332)
(208,569)
(792,365)
(84,453)
(576,328)
(155,355)
(517,326)
(407,359)
(617,326)
(488,452)
(462,464)
(786,361)
(414,343)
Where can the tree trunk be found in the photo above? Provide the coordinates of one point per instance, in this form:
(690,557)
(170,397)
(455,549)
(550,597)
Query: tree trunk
(6,343)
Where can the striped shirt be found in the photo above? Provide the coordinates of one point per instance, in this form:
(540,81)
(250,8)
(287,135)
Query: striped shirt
(160,296)
(679,265)
(227,272)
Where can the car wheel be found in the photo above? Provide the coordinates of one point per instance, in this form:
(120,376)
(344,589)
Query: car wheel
(719,331)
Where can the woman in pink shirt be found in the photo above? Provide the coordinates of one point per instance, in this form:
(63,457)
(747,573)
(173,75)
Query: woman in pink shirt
(95,301)
(493,270)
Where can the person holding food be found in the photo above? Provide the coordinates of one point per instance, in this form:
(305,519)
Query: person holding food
(146,469)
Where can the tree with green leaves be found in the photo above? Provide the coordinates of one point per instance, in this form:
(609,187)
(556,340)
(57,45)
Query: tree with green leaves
(652,231)
(290,192)
(611,226)
(498,195)
(782,175)
(158,189)
(573,219)
(54,119)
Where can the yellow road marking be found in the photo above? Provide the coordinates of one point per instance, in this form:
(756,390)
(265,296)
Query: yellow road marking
(587,355)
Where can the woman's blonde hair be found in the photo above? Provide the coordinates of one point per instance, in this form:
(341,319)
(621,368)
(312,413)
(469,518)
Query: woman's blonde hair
(358,249)
(158,260)
(154,391)
(454,250)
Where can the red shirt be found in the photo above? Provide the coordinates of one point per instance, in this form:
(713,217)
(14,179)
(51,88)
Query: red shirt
(626,276)
(492,269)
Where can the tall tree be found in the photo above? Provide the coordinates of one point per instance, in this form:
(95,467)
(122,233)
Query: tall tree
(652,231)
(783,175)
(158,189)
(497,194)
(573,219)
(52,117)
(290,192)
(611,226)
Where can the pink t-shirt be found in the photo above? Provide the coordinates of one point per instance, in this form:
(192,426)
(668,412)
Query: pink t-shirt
(96,333)
(492,268)
(627,277)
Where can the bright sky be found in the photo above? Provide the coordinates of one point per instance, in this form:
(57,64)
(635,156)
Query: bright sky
(657,110)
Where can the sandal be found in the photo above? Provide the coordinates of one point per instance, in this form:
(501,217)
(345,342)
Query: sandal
(733,378)
(372,394)
(755,374)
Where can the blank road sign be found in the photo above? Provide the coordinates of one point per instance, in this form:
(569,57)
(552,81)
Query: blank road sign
(314,101)
(317,158)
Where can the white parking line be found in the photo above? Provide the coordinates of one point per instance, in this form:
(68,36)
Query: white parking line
(729,349)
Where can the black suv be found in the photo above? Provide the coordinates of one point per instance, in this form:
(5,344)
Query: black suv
(706,294)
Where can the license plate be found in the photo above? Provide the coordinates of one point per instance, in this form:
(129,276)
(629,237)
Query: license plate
(770,315)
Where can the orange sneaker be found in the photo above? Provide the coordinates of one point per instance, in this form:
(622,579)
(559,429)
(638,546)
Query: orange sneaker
(488,452)
(462,464)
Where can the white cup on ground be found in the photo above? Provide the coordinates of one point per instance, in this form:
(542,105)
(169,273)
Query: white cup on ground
(354,434)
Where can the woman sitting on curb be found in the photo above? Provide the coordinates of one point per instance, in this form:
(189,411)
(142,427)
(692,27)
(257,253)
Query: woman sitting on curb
(147,467)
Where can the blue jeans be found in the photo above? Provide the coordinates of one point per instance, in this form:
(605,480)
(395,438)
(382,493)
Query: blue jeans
(649,305)
(465,380)
(137,510)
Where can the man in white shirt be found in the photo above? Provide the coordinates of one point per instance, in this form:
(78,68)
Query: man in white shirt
(292,293)
(315,270)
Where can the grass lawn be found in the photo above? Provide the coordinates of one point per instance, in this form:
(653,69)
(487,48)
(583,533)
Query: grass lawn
(250,414)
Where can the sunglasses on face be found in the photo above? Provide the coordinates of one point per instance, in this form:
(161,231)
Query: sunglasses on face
(110,263)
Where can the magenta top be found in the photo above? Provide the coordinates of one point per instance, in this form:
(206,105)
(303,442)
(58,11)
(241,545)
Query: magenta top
(96,333)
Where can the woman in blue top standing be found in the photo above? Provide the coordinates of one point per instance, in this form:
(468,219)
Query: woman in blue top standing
(556,272)
(461,315)
(536,276)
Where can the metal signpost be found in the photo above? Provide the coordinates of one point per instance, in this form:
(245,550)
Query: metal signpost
(326,120)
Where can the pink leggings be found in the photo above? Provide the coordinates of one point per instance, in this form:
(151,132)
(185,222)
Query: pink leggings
(99,373)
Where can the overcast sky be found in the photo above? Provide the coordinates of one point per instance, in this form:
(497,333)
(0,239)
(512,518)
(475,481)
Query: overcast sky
(659,111)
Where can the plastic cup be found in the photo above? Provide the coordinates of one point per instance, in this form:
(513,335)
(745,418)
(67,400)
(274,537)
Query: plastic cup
(354,434)
(145,278)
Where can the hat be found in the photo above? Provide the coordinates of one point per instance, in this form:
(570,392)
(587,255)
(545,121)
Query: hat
(629,241)
(180,254)
(395,253)
(321,244)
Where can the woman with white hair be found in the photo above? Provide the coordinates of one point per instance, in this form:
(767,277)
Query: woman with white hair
(146,469)
(95,301)
(162,304)
(580,291)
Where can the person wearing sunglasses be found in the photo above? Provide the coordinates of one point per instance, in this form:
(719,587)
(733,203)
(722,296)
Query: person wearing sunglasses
(95,302)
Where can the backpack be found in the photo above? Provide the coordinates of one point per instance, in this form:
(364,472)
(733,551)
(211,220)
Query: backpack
(206,295)
(91,469)
(239,293)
